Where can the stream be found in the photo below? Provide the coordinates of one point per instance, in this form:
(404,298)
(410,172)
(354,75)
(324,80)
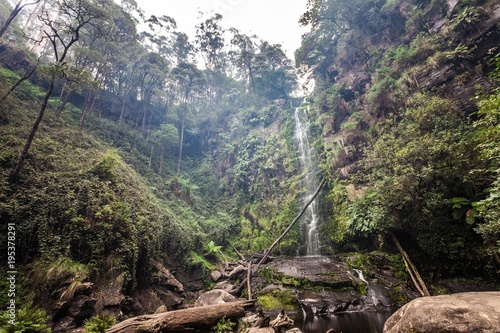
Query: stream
(346,322)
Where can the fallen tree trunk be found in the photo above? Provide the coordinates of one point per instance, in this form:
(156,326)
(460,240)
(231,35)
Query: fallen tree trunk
(192,319)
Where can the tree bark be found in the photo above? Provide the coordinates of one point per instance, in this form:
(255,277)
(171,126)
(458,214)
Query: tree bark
(249,280)
(187,320)
(122,112)
(24,153)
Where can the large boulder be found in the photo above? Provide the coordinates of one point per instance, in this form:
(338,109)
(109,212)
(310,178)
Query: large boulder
(456,313)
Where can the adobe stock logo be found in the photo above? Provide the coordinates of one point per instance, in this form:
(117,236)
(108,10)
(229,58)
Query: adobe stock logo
(222,6)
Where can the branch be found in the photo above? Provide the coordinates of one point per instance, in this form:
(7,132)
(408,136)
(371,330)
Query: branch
(268,251)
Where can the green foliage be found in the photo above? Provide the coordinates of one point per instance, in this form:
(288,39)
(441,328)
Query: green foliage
(369,215)
(278,300)
(200,260)
(223,326)
(27,320)
(336,203)
(488,134)
(98,324)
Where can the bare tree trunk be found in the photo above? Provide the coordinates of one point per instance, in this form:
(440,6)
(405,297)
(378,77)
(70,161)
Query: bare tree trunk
(87,111)
(412,270)
(21,80)
(120,120)
(85,106)
(95,117)
(11,17)
(149,125)
(182,139)
(144,117)
(61,95)
(63,100)
(14,175)
(249,280)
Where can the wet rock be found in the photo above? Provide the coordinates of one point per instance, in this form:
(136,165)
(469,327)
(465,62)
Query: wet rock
(213,297)
(328,302)
(169,298)
(226,286)
(260,330)
(282,321)
(315,271)
(69,315)
(456,313)
(148,301)
(294,330)
(192,279)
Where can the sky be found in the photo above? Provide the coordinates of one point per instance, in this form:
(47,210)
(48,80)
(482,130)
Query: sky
(275,21)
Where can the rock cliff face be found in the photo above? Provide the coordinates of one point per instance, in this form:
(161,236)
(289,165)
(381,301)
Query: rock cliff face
(457,313)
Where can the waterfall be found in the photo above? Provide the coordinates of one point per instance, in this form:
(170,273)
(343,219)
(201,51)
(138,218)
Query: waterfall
(309,182)
(375,296)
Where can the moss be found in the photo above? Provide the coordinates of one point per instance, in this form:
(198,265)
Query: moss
(278,300)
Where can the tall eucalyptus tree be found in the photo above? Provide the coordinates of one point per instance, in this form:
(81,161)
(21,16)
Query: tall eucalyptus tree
(62,33)
(189,79)
(17,9)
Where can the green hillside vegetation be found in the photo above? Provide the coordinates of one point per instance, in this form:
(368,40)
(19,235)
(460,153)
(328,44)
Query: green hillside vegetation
(404,98)
(153,147)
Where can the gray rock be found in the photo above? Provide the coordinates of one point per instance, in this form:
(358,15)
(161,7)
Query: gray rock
(213,297)
(456,313)
(215,276)
(165,278)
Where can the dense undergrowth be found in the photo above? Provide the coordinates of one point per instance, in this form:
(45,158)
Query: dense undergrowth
(404,120)
(91,208)
(400,130)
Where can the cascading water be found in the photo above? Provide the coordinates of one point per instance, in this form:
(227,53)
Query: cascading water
(375,295)
(309,182)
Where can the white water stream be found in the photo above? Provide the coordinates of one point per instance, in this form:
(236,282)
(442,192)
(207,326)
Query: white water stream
(309,182)
(375,295)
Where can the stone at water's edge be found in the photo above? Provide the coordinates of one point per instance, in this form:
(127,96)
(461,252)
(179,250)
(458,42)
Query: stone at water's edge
(456,313)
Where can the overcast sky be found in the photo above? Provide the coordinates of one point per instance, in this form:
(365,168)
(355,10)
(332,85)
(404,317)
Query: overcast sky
(275,21)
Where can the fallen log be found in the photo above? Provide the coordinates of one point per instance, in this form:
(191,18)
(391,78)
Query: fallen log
(192,319)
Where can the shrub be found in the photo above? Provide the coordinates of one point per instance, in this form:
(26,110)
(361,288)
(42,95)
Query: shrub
(28,320)
(98,324)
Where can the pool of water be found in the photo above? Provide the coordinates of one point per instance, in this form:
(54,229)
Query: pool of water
(346,322)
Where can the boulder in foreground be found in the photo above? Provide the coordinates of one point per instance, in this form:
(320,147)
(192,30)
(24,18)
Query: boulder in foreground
(456,313)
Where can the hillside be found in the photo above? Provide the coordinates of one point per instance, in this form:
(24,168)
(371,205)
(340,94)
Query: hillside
(150,160)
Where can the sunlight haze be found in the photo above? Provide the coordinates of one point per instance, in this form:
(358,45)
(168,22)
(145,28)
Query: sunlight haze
(275,21)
